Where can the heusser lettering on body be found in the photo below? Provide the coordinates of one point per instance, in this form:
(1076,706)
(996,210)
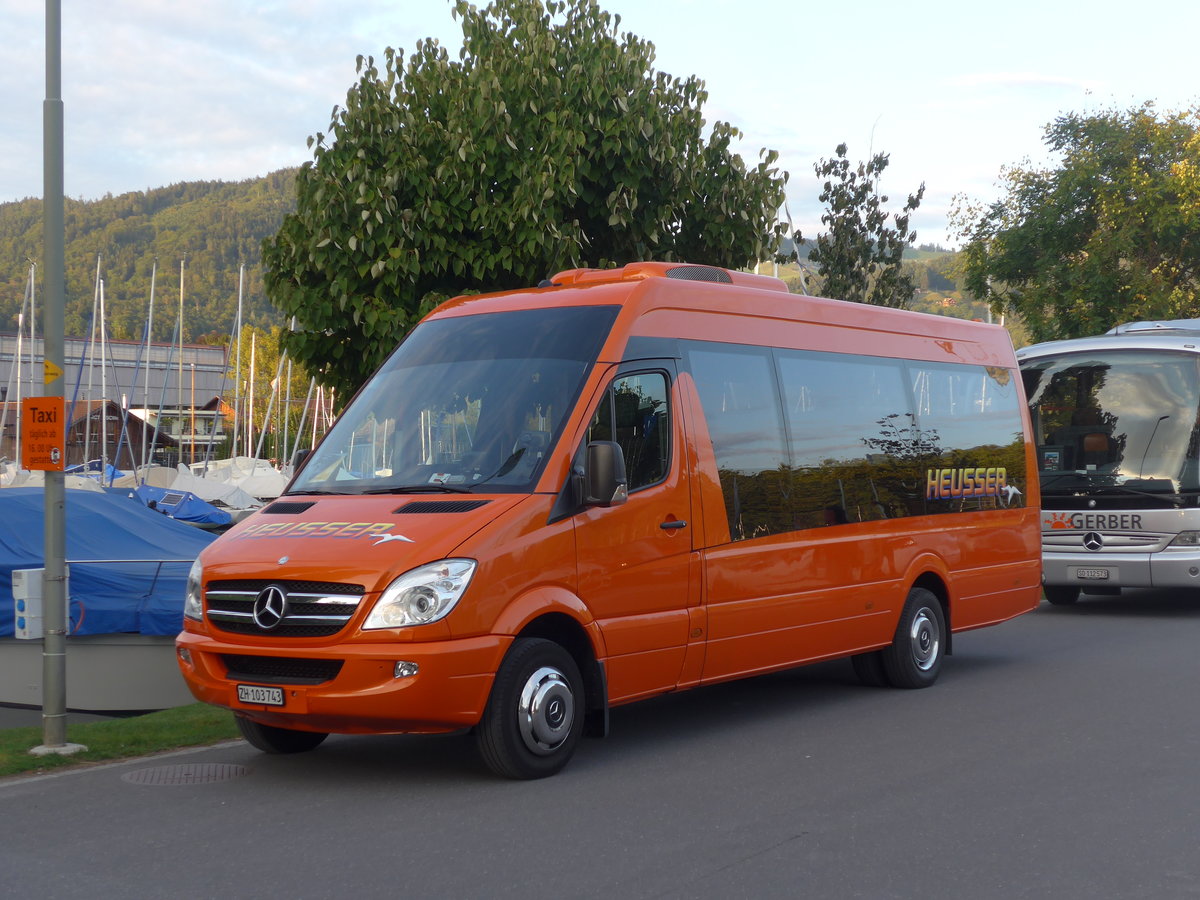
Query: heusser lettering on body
(977,481)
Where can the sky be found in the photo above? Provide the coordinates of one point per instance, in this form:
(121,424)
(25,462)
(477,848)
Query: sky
(158,92)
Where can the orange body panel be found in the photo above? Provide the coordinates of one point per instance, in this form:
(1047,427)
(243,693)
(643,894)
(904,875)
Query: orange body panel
(654,592)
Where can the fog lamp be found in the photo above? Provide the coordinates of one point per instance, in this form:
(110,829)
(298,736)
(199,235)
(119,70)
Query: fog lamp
(406,669)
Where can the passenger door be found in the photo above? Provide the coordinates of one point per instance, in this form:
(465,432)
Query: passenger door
(637,572)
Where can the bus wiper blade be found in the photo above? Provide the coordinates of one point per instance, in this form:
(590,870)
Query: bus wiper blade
(1084,477)
(1137,492)
(431,488)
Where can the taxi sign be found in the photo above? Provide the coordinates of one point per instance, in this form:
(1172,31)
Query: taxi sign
(43,434)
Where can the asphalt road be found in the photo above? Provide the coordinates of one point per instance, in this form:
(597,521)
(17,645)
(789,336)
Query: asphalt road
(1056,757)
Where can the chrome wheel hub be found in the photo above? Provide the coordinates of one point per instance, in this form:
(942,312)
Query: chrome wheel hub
(546,711)
(925,639)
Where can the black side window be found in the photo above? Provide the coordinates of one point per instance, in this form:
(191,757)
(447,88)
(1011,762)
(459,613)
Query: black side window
(842,413)
(635,412)
(740,399)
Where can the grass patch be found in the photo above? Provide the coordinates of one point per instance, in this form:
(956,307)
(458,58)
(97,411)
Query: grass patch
(169,729)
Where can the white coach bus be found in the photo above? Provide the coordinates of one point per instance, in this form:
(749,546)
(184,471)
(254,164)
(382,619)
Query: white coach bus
(1115,422)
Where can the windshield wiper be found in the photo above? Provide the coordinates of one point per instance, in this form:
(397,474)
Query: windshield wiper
(1086,488)
(505,467)
(430,488)
(1171,493)
(1058,476)
(312,492)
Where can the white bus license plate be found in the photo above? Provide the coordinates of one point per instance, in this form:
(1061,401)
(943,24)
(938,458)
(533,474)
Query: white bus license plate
(1092,574)
(254,693)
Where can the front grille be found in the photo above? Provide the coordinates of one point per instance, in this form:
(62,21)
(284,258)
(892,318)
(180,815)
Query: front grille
(1113,542)
(280,669)
(314,608)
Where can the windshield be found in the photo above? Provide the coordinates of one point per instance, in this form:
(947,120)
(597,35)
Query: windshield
(1123,420)
(463,403)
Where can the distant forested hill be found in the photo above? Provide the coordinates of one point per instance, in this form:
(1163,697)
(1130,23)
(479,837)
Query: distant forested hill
(212,226)
(216,226)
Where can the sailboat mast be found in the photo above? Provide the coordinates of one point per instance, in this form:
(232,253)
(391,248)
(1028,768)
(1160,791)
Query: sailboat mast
(103,390)
(32,323)
(14,369)
(87,422)
(20,356)
(20,375)
(149,358)
(284,458)
(303,419)
(317,414)
(237,366)
(250,402)
(179,382)
(267,416)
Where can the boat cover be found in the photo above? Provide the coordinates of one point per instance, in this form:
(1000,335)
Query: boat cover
(139,588)
(183,506)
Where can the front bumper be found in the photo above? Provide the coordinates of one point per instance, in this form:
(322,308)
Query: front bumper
(1164,569)
(448,692)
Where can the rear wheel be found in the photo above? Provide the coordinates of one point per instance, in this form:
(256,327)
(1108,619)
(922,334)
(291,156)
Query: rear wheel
(1060,594)
(914,658)
(270,739)
(534,716)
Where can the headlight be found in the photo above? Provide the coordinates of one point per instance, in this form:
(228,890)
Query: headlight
(1186,539)
(423,595)
(193,603)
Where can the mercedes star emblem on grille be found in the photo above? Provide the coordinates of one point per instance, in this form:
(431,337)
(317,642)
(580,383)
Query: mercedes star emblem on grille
(1091,541)
(270,607)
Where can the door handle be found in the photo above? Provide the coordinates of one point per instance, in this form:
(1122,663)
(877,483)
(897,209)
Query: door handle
(673,524)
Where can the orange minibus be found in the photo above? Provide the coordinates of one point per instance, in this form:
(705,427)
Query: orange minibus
(549,502)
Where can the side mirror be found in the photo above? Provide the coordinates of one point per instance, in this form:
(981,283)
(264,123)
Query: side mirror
(604,481)
(298,458)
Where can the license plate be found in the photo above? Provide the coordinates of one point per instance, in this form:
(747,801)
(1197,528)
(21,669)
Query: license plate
(264,696)
(1092,574)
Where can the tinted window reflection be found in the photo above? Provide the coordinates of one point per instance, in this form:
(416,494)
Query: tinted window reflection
(741,405)
(807,439)
(837,409)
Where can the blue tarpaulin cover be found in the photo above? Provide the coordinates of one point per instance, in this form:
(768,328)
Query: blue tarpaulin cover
(108,597)
(183,506)
(93,470)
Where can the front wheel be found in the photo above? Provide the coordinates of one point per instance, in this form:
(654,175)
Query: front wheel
(534,716)
(1060,594)
(915,656)
(270,739)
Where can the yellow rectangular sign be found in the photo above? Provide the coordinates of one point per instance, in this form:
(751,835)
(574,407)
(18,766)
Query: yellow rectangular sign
(43,433)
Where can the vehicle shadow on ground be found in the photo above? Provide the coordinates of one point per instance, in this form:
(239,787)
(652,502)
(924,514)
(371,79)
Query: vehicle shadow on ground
(1161,603)
(644,729)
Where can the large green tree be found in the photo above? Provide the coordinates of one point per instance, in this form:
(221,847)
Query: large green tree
(858,257)
(1109,234)
(550,143)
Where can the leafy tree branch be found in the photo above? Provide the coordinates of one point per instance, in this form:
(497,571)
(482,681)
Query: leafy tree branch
(550,143)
